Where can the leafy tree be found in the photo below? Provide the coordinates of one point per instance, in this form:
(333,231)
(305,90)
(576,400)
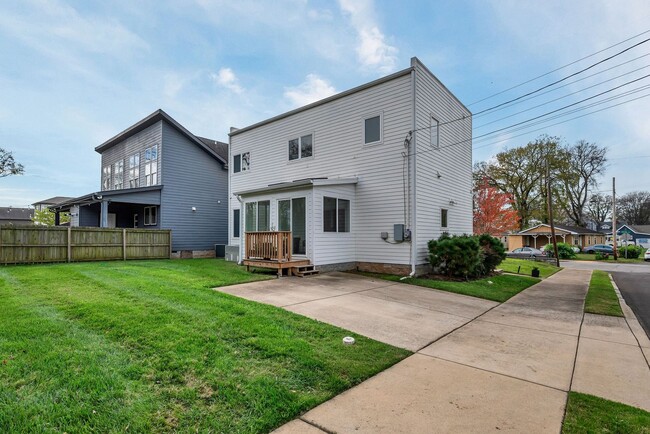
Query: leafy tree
(599,209)
(493,213)
(584,162)
(634,208)
(520,171)
(46,217)
(8,165)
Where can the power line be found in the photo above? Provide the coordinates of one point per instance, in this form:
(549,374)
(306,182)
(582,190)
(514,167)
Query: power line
(567,77)
(557,69)
(559,98)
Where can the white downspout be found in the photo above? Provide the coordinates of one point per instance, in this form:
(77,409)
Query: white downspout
(414,246)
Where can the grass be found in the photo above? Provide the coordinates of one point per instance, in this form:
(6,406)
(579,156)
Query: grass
(524,266)
(500,289)
(590,414)
(601,298)
(147,346)
(622,260)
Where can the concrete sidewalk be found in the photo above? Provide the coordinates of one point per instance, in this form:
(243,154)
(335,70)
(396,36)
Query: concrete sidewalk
(479,366)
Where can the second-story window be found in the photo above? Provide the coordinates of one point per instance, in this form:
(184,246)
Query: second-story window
(151,166)
(241,162)
(372,130)
(118,175)
(435,133)
(301,147)
(106,178)
(134,171)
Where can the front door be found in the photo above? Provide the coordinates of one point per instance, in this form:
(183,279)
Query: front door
(292,216)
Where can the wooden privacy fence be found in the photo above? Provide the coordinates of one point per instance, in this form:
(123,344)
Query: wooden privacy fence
(34,244)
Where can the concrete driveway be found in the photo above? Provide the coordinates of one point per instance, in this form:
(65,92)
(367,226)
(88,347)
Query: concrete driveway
(402,315)
(479,366)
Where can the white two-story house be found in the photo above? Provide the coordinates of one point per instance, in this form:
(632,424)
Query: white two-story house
(360,180)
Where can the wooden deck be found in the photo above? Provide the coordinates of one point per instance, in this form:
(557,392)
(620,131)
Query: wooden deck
(271,249)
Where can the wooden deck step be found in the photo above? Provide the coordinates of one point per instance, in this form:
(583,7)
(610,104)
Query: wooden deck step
(304,271)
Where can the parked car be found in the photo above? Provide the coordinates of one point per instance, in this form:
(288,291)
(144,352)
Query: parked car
(646,255)
(602,248)
(525,252)
(576,249)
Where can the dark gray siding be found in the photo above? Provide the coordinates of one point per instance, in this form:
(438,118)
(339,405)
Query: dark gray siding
(134,144)
(88,216)
(192,178)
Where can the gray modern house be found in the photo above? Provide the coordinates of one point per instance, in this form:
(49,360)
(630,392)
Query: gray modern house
(158,175)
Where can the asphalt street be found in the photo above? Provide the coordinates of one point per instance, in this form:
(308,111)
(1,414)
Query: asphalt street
(635,288)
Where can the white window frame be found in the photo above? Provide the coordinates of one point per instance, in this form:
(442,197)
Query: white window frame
(381,128)
(150,215)
(238,226)
(299,138)
(107,172)
(257,214)
(134,170)
(151,166)
(434,127)
(240,157)
(136,220)
(337,231)
(446,212)
(118,175)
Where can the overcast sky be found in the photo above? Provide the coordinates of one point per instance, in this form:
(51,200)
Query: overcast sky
(75,73)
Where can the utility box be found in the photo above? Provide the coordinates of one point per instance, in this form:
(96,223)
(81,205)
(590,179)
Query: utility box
(398,232)
(220,250)
(232,253)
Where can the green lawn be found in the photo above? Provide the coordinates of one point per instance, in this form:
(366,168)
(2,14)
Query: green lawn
(601,298)
(592,257)
(590,414)
(524,266)
(500,289)
(147,346)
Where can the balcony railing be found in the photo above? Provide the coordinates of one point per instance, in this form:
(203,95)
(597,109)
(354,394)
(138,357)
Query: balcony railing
(269,246)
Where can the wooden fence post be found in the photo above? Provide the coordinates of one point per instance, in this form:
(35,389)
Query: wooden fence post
(169,237)
(124,243)
(69,243)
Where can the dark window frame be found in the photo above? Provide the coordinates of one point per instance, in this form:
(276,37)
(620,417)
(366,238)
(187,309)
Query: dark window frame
(236,223)
(338,225)
(380,139)
(444,218)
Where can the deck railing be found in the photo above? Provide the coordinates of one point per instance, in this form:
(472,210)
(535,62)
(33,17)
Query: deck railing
(269,245)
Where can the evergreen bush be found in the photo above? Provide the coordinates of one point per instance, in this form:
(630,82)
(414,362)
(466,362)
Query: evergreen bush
(465,255)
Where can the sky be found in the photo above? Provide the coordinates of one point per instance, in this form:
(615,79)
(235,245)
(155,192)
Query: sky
(75,73)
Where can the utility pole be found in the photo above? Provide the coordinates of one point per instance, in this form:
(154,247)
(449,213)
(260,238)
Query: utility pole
(614,231)
(550,212)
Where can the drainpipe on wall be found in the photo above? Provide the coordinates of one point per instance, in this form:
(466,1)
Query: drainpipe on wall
(414,247)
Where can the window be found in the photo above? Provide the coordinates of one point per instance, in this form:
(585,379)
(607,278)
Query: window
(301,147)
(235,223)
(258,216)
(151,166)
(435,133)
(292,217)
(118,175)
(336,215)
(135,220)
(372,130)
(134,171)
(150,216)
(106,178)
(443,218)
(241,162)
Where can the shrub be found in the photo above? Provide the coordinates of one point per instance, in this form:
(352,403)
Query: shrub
(564,250)
(493,252)
(601,256)
(465,255)
(633,252)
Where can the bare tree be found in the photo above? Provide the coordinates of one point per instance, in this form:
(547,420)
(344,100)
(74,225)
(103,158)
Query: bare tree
(8,165)
(599,209)
(584,163)
(634,208)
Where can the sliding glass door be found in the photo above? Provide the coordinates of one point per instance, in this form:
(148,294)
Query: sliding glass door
(292,216)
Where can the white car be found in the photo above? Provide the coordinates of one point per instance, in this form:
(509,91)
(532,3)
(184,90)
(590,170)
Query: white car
(646,255)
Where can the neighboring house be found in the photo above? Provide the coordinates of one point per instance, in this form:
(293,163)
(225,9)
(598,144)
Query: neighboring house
(16,216)
(45,204)
(158,175)
(640,234)
(540,235)
(362,179)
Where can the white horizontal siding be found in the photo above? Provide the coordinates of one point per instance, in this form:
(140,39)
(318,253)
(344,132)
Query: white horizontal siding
(334,247)
(339,152)
(453,161)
